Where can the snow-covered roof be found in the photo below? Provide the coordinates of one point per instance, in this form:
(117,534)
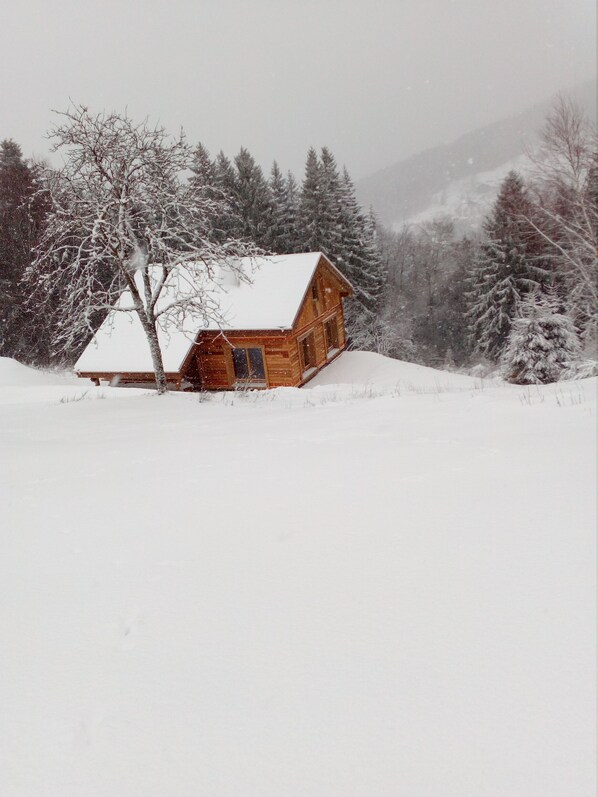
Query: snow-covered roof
(270,300)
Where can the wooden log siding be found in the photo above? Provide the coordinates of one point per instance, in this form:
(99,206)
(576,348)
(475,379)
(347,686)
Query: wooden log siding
(322,357)
(282,356)
(209,364)
(125,378)
(214,356)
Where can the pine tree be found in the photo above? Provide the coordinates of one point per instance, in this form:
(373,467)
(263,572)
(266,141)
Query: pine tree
(204,173)
(543,343)
(509,265)
(253,200)
(22,213)
(358,256)
(359,259)
(293,200)
(205,187)
(374,267)
(283,232)
(228,222)
(331,221)
(311,210)
(331,226)
(320,223)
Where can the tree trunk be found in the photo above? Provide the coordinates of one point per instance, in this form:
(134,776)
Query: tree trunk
(152,339)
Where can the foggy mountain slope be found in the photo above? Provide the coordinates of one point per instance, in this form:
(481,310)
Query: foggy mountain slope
(461,178)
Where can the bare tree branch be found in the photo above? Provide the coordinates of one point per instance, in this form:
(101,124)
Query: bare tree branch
(125,217)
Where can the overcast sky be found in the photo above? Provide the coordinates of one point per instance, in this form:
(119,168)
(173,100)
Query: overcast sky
(375,81)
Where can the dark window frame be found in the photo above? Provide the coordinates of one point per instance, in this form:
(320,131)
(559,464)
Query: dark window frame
(307,343)
(249,375)
(332,341)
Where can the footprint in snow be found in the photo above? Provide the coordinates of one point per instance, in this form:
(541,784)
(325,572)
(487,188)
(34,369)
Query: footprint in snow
(130,630)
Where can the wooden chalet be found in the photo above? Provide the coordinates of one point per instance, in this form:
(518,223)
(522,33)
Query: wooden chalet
(279,330)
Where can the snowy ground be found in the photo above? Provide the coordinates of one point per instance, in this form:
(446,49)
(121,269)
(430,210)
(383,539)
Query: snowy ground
(380,586)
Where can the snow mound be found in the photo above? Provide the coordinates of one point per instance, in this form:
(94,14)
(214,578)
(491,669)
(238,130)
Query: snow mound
(15,374)
(377,371)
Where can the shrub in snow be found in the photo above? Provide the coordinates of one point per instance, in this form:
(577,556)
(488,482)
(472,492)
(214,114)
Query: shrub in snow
(483,369)
(543,345)
(581,370)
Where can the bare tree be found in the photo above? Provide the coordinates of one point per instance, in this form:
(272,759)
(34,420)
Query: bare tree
(565,210)
(436,241)
(125,217)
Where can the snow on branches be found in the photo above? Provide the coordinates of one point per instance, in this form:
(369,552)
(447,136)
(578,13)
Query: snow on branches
(122,207)
(543,345)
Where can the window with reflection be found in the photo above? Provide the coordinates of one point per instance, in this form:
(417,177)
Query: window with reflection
(249,365)
(331,334)
(307,348)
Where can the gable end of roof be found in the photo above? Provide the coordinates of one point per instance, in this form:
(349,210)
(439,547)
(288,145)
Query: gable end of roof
(341,277)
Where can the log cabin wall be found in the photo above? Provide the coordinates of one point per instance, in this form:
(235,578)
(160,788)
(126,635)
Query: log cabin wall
(323,356)
(215,360)
(210,364)
(323,301)
(327,297)
(130,378)
(282,351)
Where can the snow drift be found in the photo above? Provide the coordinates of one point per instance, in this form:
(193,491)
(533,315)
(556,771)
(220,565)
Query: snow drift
(14,374)
(370,369)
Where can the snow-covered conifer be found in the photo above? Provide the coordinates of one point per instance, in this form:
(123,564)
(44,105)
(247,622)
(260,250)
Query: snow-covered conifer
(253,200)
(508,266)
(320,223)
(331,221)
(229,223)
(207,184)
(202,167)
(311,209)
(359,259)
(283,233)
(542,344)
(331,226)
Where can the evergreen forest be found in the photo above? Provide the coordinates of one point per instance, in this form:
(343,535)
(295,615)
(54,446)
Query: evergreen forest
(519,295)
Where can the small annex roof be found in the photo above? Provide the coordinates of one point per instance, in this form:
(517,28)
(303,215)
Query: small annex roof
(270,300)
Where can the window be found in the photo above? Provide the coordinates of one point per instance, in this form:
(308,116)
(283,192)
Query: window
(307,348)
(314,292)
(249,365)
(331,334)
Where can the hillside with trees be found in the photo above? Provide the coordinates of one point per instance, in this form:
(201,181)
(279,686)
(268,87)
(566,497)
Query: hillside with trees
(130,197)
(461,178)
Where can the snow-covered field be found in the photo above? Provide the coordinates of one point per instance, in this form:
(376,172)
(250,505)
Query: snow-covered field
(382,585)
